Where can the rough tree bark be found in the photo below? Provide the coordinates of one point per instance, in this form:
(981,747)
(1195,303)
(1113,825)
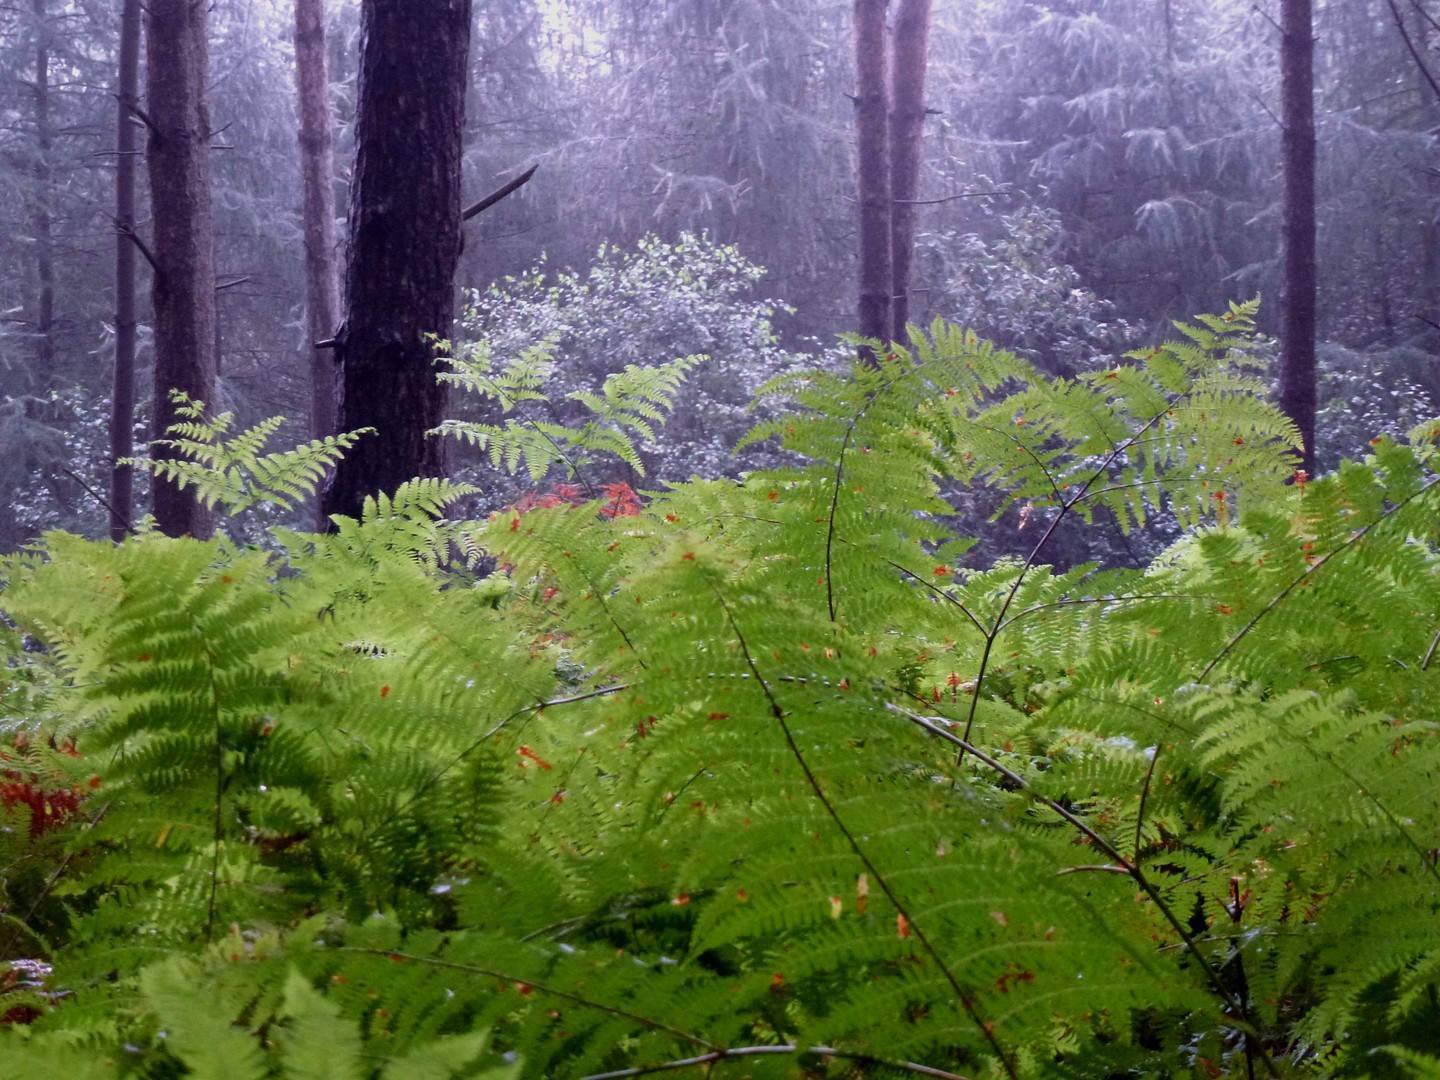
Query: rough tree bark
(122,409)
(910,47)
(404,243)
(44,321)
(872,172)
(1297,333)
(317,178)
(183,248)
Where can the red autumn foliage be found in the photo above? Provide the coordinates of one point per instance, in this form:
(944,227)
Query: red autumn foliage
(51,804)
(620,499)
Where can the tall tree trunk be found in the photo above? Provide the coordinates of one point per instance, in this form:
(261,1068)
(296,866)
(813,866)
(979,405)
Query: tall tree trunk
(1428,91)
(909,55)
(317,181)
(122,405)
(404,242)
(184,239)
(1297,334)
(44,322)
(872,171)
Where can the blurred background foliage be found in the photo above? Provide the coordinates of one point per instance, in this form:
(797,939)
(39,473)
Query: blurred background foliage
(1094,170)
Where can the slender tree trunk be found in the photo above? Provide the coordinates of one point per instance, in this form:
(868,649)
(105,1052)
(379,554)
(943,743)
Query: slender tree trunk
(122,406)
(44,219)
(404,243)
(909,55)
(872,169)
(1429,300)
(184,237)
(1297,335)
(317,176)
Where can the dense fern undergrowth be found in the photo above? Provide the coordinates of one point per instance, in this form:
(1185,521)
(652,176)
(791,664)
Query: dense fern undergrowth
(752,779)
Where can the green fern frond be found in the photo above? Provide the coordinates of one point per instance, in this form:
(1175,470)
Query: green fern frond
(630,403)
(232,472)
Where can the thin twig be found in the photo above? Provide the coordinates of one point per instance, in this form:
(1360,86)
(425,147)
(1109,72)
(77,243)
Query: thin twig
(1420,9)
(1414,52)
(1266,15)
(1268,111)
(47,889)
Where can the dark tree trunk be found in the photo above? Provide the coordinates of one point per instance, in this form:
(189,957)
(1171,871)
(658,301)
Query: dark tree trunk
(317,176)
(1297,334)
(909,54)
(404,243)
(44,321)
(122,406)
(872,170)
(184,244)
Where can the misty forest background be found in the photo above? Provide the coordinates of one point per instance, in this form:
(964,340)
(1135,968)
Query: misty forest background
(1091,171)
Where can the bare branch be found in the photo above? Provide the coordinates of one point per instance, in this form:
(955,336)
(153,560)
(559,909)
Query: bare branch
(948,198)
(499,193)
(139,113)
(128,231)
(129,527)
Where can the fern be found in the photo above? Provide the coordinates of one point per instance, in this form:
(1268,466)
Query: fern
(630,403)
(766,777)
(233,472)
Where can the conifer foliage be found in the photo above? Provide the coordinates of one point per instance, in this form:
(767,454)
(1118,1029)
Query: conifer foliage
(758,780)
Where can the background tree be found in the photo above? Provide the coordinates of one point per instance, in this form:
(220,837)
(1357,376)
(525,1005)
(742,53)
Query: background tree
(1297,395)
(317,182)
(872,170)
(910,54)
(404,243)
(178,159)
(122,401)
(44,305)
